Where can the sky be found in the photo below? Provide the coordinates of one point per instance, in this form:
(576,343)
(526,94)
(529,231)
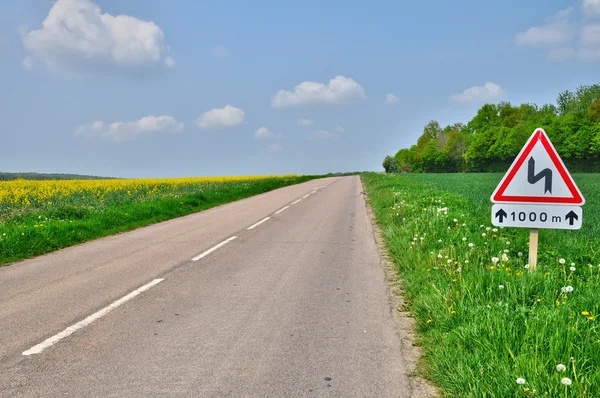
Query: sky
(152,88)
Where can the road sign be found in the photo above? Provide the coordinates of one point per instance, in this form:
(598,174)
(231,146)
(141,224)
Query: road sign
(538,175)
(537,216)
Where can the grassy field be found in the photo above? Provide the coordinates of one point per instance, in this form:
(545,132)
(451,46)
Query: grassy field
(38,217)
(489,327)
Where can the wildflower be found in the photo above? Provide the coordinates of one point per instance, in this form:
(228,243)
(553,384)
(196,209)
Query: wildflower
(566,381)
(572,264)
(487,228)
(471,245)
(495,230)
(526,266)
(520,254)
(483,234)
(572,269)
(567,289)
(500,287)
(439,241)
(455,220)
(495,260)
(562,260)
(466,261)
(464,225)
(507,242)
(520,381)
(439,256)
(504,257)
(560,367)
(449,261)
(464,238)
(429,321)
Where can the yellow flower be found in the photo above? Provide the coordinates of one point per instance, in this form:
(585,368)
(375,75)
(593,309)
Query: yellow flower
(585,313)
(539,300)
(591,317)
(429,321)
(492,267)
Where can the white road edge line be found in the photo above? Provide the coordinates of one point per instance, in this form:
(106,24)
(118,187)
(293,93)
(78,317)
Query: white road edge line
(294,202)
(306,196)
(212,249)
(81,324)
(258,223)
(282,209)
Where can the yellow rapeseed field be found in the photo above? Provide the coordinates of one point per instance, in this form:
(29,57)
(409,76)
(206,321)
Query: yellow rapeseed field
(30,192)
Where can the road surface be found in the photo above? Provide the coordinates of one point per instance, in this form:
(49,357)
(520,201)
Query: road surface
(226,302)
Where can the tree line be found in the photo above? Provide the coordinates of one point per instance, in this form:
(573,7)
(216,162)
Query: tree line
(45,176)
(493,138)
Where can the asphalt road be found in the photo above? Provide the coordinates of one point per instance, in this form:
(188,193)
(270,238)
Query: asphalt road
(296,306)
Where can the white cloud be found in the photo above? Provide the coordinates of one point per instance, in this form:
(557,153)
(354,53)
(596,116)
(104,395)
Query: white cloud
(489,91)
(263,133)
(391,99)
(590,35)
(77,38)
(322,135)
(274,148)
(340,90)
(554,34)
(305,122)
(128,131)
(340,129)
(27,63)
(561,53)
(591,7)
(229,116)
(219,51)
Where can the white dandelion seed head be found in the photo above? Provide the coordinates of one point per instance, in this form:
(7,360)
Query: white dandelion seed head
(439,256)
(500,287)
(495,260)
(572,269)
(566,381)
(487,228)
(464,238)
(520,254)
(483,234)
(439,241)
(455,220)
(466,261)
(560,367)
(471,245)
(561,260)
(520,381)
(504,257)
(526,266)
(495,230)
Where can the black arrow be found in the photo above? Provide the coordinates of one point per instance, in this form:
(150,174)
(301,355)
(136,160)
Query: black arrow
(571,216)
(501,214)
(532,178)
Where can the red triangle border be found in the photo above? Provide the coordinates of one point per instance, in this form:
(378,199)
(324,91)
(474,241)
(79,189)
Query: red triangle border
(539,135)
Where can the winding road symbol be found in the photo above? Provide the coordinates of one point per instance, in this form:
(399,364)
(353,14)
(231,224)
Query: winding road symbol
(533,178)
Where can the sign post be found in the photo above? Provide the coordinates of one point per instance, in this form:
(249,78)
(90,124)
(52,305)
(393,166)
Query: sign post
(537,192)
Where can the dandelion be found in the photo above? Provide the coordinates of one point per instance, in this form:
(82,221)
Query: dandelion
(566,381)
(572,269)
(572,264)
(507,242)
(562,260)
(455,220)
(466,261)
(439,256)
(560,367)
(488,228)
(429,321)
(439,241)
(495,230)
(585,313)
(520,381)
(567,289)
(495,260)
(527,266)
(483,234)
(449,261)
(520,254)
(464,225)
(464,238)
(501,287)
(471,245)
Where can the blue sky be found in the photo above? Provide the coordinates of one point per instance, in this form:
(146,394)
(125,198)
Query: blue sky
(150,88)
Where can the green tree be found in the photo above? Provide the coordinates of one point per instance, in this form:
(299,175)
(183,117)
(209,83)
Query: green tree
(390,165)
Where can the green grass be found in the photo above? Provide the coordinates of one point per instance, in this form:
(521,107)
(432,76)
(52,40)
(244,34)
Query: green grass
(29,232)
(484,324)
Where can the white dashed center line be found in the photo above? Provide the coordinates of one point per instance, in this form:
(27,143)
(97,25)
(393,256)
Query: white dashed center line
(282,209)
(212,249)
(81,324)
(306,196)
(294,202)
(258,223)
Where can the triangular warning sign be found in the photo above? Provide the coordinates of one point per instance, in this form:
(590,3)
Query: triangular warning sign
(538,175)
